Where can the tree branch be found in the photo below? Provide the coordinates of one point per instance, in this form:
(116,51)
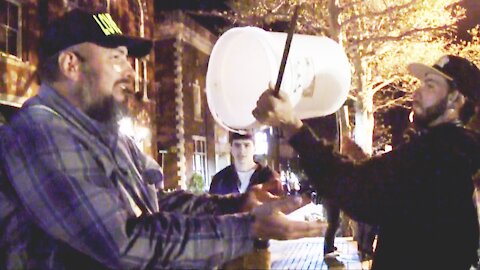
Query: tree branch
(333,12)
(270,10)
(379,13)
(382,84)
(398,101)
(349,5)
(399,37)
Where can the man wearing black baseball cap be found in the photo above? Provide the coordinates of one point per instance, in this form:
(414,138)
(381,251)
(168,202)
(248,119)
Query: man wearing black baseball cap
(463,80)
(78,27)
(76,194)
(420,194)
(96,41)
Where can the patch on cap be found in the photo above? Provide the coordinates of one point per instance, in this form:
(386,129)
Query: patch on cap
(443,61)
(107,24)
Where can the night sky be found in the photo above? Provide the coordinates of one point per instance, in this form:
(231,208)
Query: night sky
(473,17)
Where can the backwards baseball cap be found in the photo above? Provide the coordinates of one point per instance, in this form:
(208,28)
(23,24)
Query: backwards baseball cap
(460,72)
(77,26)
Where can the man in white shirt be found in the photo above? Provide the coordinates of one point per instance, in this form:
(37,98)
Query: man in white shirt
(239,178)
(244,172)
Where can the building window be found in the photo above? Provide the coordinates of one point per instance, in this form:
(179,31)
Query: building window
(197,102)
(10,27)
(200,158)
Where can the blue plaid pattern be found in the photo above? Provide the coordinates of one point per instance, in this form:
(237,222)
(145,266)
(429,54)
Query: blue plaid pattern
(75,193)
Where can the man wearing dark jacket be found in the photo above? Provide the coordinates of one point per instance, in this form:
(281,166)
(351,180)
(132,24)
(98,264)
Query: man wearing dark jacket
(244,172)
(239,178)
(420,194)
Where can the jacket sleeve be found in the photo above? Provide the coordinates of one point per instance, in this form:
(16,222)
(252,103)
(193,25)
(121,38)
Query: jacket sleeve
(183,201)
(215,185)
(203,204)
(373,191)
(61,185)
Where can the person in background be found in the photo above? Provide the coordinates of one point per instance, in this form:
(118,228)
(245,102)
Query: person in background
(77,194)
(238,178)
(364,233)
(420,194)
(333,221)
(245,172)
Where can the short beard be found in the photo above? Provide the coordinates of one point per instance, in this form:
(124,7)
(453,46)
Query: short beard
(106,110)
(432,113)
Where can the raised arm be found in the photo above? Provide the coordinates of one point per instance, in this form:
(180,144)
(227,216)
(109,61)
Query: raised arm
(382,189)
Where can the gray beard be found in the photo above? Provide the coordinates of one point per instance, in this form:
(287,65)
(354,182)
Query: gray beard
(107,111)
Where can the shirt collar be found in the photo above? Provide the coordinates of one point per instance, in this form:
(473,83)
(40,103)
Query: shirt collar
(50,97)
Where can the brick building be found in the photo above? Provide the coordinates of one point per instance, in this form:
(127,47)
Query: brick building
(188,138)
(171,110)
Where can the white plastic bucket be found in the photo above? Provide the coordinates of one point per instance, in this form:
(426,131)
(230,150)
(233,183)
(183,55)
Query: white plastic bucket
(245,59)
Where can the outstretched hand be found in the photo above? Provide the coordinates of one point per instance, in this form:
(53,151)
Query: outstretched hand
(259,194)
(271,221)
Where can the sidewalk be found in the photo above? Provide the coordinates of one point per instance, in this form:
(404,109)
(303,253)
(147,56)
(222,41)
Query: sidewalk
(307,253)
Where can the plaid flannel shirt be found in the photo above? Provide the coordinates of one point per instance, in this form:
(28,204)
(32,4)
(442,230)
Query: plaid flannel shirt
(74,193)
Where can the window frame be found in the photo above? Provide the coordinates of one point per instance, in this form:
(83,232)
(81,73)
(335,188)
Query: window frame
(6,27)
(200,142)
(197,101)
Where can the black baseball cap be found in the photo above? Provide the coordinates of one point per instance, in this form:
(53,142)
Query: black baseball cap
(78,26)
(460,72)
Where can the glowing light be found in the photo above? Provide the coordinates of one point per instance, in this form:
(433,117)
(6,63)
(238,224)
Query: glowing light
(126,126)
(261,143)
(387,148)
(139,133)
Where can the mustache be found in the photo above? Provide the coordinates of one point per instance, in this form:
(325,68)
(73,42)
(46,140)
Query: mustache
(128,89)
(128,86)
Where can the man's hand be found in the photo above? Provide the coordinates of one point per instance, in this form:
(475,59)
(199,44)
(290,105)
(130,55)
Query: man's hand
(277,111)
(352,150)
(274,184)
(271,221)
(259,194)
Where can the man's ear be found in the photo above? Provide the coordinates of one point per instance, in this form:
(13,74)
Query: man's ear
(455,99)
(69,65)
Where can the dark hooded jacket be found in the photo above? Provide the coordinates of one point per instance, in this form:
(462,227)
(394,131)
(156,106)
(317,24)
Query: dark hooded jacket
(226,181)
(420,195)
